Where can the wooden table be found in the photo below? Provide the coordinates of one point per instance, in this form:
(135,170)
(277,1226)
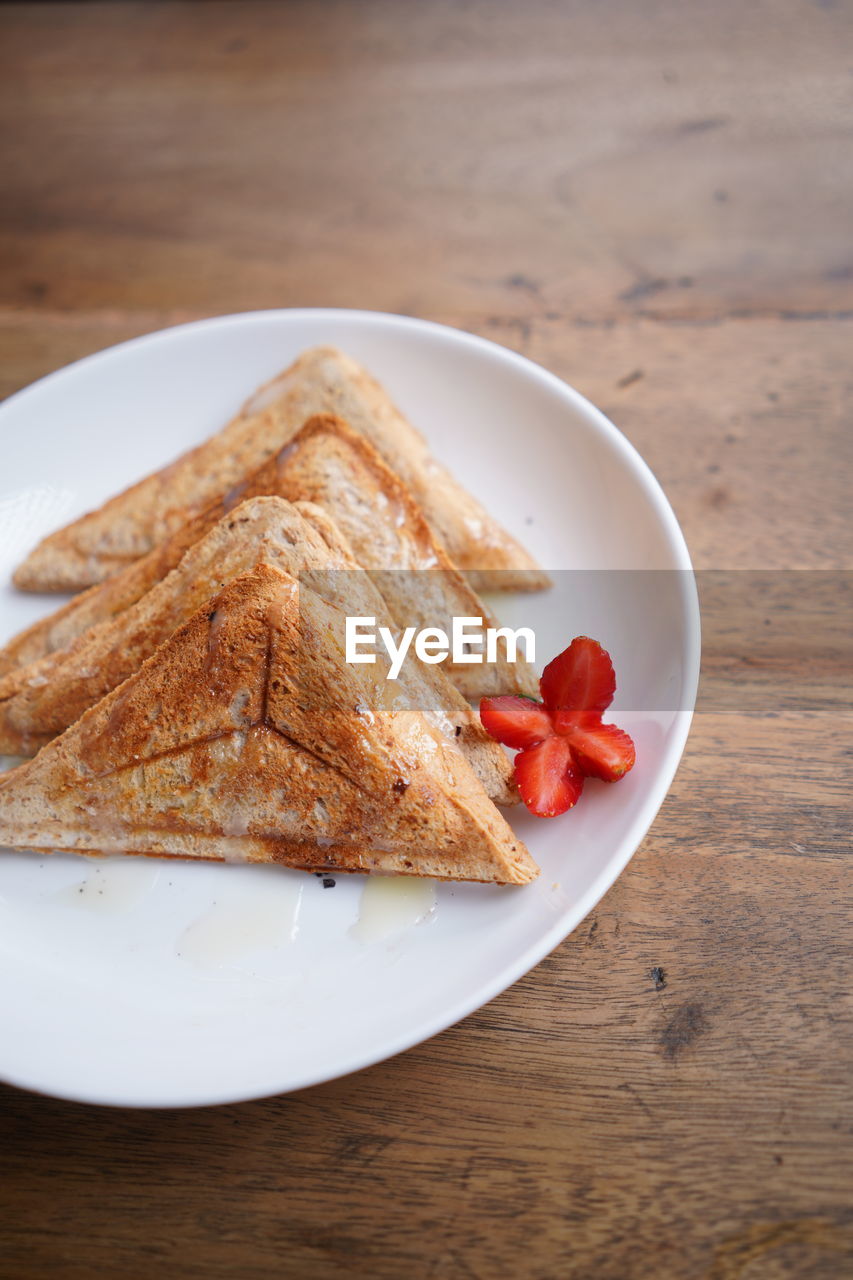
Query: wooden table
(653,200)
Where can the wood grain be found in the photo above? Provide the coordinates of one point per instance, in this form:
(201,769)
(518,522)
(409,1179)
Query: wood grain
(678,160)
(653,201)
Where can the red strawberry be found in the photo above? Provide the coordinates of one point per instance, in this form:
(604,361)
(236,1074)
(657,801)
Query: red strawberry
(580,679)
(548,780)
(601,750)
(516,722)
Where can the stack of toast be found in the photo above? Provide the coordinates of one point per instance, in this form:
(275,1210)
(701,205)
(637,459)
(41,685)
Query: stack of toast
(194,700)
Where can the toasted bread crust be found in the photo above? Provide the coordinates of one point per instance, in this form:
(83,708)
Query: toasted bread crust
(334,467)
(245,738)
(100,602)
(41,700)
(130,525)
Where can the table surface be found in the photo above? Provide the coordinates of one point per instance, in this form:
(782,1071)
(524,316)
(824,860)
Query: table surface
(653,200)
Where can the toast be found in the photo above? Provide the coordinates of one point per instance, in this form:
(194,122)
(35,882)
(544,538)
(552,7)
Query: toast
(106,600)
(40,701)
(330,465)
(246,738)
(322,380)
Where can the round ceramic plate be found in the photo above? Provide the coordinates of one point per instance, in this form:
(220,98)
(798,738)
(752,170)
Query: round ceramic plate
(139,983)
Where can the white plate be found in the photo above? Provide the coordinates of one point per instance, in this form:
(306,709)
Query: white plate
(147,984)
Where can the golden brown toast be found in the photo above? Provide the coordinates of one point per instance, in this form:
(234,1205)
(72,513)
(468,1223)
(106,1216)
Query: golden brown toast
(322,380)
(330,465)
(41,700)
(106,600)
(246,737)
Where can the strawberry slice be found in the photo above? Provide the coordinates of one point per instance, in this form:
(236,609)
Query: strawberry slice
(548,780)
(516,722)
(581,678)
(601,750)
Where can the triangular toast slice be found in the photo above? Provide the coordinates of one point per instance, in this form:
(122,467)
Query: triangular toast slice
(322,380)
(332,466)
(246,737)
(40,701)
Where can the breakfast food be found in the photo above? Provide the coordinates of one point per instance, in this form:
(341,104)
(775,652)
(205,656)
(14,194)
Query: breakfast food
(322,380)
(201,698)
(245,737)
(333,467)
(59,628)
(40,701)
